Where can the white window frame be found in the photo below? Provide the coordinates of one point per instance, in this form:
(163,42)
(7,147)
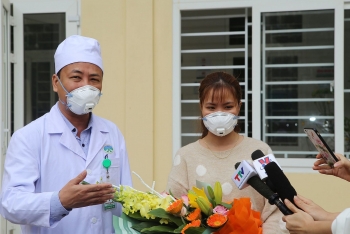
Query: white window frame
(259,7)
(4,96)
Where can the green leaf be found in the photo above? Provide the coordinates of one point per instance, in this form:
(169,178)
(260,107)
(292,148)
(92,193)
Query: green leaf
(159,229)
(179,229)
(195,230)
(142,225)
(138,216)
(161,213)
(213,203)
(228,206)
(129,219)
(210,192)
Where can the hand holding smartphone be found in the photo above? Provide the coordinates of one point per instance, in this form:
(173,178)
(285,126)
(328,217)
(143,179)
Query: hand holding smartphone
(322,147)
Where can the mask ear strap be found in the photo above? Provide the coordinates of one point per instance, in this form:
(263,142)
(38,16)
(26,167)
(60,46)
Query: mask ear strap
(68,94)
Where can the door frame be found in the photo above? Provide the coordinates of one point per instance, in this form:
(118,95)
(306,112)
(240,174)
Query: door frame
(4,135)
(31,7)
(20,7)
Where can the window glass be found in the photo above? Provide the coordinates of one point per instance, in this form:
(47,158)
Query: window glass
(297,80)
(42,34)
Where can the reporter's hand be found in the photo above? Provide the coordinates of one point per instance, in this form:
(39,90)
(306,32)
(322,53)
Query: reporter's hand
(316,211)
(299,221)
(341,168)
(75,195)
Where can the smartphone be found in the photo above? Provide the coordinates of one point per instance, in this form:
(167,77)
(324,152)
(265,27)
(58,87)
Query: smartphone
(322,147)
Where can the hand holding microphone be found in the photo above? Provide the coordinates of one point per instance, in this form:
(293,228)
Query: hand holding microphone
(316,211)
(299,220)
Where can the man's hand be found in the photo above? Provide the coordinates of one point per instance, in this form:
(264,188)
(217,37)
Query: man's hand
(341,168)
(75,195)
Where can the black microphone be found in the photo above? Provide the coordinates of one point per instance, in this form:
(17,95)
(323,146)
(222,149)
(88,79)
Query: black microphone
(266,192)
(259,154)
(280,181)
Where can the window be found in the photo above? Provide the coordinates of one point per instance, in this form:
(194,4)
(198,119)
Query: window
(287,59)
(297,80)
(42,34)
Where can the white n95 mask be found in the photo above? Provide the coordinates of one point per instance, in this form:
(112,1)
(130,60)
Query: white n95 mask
(220,123)
(82,100)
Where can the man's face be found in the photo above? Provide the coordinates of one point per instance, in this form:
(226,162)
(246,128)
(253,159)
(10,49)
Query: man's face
(76,75)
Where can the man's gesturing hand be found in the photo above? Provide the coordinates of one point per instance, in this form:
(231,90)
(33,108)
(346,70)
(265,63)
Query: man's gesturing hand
(75,195)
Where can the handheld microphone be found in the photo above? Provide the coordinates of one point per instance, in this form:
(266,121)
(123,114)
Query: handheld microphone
(260,161)
(266,192)
(244,171)
(280,181)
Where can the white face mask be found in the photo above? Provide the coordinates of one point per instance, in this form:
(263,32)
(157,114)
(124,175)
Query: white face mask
(82,100)
(220,123)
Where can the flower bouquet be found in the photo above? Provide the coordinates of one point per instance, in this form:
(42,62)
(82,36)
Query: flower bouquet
(201,210)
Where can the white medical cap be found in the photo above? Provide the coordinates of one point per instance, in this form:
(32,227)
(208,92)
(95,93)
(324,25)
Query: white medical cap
(78,49)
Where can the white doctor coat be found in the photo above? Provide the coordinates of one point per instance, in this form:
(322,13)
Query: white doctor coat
(42,157)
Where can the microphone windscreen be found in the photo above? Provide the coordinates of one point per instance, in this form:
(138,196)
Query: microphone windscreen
(260,187)
(257,154)
(280,181)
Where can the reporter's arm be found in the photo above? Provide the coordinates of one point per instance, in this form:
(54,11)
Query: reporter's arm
(319,227)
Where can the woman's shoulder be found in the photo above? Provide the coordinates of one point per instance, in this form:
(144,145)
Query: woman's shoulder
(189,148)
(249,142)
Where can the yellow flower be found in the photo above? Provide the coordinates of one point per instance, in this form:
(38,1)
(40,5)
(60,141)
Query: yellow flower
(194,194)
(165,202)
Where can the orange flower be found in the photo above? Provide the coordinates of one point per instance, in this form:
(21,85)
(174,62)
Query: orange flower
(194,223)
(196,214)
(175,207)
(242,219)
(216,220)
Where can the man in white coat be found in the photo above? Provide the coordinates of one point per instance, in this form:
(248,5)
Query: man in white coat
(48,159)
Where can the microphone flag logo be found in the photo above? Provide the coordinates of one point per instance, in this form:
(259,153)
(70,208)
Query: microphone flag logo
(260,163)
(239,174)
(242,174)
(264,161)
